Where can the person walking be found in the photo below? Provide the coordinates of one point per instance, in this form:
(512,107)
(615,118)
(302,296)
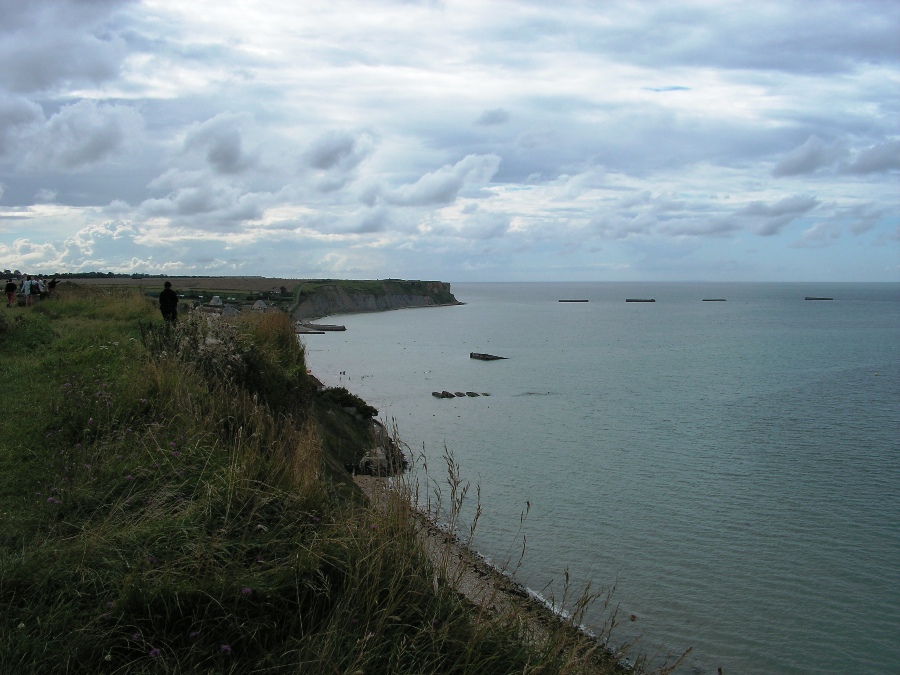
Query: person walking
(10,293)
(168,303)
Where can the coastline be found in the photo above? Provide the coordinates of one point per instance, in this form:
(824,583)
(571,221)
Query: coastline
(490,589)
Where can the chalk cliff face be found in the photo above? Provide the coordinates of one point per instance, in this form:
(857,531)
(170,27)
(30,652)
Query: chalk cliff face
(349,297)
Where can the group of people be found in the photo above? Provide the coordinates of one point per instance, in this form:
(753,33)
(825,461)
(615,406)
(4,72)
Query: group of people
(35,287)
(31,288)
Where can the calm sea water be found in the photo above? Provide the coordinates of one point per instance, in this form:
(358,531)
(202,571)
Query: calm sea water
(732,468)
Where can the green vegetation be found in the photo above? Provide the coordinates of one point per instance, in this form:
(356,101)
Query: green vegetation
(174,501)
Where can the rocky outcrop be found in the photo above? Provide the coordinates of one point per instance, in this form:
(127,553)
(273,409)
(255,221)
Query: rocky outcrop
(324,299)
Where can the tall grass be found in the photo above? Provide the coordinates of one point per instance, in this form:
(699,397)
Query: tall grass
(173,502)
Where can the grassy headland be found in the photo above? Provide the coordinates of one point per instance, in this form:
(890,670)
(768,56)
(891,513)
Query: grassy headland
(174,501)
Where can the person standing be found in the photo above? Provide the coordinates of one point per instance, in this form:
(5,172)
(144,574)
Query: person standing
(29,289)
(10,293)
(168,303)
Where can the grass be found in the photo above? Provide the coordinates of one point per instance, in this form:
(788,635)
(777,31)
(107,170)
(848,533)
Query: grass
(174,501)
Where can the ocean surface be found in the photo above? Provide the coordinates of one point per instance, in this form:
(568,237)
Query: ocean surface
(731,468)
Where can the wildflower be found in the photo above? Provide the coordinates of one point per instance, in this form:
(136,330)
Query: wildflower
(194,634)
(22,625)
(67,384)
(110,605)
(136,637)
(225,649)
(143,401)
(171,444)
(152,559)
(129,477)
(90,421)
(155,652)
(108,657)
(246,590)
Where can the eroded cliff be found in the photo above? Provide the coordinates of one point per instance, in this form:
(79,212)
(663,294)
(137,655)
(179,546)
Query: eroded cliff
(324,298)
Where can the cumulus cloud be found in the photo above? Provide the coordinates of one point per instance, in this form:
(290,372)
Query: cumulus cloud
(83,134)
(207,206)
(50,43)
(444,185)
(878,158)
(772,219)
(220,139)
(814,154)
(335,156)
(16,116)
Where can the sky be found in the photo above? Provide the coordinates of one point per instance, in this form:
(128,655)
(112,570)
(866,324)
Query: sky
(459,140)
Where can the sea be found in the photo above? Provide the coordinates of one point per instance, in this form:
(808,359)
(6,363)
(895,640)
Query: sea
(729,471)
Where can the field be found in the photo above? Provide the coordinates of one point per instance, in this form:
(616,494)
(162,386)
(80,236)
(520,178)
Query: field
(219,284)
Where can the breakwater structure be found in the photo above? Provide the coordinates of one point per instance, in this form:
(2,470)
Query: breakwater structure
(574,300)
(640,299)
(316,328)
(810,297)
(485,357)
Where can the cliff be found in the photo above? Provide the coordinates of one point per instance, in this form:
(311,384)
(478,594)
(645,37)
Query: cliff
(323,298)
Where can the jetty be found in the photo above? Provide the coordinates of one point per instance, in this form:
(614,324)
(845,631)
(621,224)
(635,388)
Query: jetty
(640,299)
(809,297)
(485,357)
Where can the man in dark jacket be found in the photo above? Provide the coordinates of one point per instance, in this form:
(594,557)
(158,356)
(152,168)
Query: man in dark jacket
(168,303)
(10,293)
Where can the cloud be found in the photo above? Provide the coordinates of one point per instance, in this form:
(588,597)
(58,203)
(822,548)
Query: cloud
(336,155)
(876,159)
(82,134)
(492,117)
(666,89)
(771,219)
(220,139)
(52,43)
(17,114)
(444,185)
(402,139)
(812,155)
(209,205)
